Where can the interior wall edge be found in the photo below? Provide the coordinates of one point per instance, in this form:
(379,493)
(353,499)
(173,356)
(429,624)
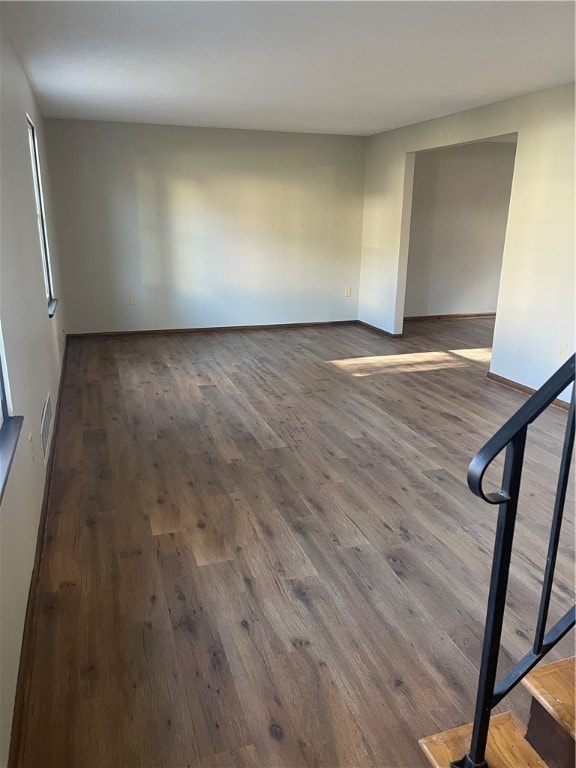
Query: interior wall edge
(20,712)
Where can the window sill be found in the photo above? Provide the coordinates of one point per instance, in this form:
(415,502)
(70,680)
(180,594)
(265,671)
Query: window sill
(9,433)
(52,304)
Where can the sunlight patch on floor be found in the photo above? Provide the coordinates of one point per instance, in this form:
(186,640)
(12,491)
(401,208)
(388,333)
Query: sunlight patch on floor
(411,363)
(479,355)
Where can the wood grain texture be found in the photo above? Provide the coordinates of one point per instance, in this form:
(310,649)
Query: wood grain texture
(552,685)
(451,316)
(523,388)
(506,746)
(260,549)
(210,329)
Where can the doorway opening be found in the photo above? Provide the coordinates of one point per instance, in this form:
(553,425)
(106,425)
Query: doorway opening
(458,205)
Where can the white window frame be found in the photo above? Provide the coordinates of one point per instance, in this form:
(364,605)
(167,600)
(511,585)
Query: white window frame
(41,217)
(4,400)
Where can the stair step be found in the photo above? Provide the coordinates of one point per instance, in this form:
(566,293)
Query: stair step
(554,745)
(552,685)
(507,747)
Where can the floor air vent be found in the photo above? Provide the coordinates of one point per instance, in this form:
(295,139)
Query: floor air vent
(46,426)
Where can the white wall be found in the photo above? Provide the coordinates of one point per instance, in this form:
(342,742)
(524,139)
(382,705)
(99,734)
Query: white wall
(458,225)
(536,302)
(34,346)
(206,227)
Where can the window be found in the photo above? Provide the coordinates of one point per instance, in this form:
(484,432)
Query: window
(37,178)
(4,404)
(10,427)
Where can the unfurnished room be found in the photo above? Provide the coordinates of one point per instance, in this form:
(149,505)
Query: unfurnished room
(287,367)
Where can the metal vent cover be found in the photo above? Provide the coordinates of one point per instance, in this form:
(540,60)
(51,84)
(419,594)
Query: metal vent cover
(46,426)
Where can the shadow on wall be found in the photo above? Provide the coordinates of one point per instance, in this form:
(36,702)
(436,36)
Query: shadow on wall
(191,236)
(208,238)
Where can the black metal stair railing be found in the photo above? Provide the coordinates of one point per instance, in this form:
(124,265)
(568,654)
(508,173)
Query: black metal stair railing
(512,438)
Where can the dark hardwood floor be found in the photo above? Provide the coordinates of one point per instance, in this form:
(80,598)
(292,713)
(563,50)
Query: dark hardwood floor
(261,550)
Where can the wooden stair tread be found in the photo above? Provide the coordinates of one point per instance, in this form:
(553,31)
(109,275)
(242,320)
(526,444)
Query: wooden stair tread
(552,685)
(507,747)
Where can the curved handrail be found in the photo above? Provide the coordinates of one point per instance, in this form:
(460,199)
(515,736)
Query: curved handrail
(511,438)
(531,409)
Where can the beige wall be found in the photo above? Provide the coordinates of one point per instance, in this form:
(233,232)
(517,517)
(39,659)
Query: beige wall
(535,310)
(458,225)
(205,227)
(33,346)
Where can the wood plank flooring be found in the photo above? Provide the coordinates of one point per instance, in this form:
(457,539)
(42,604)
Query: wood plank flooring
(261,550)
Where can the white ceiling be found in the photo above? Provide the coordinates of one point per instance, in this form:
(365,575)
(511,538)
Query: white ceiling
(326,67)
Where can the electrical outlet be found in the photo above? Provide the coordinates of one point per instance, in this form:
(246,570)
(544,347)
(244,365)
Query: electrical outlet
(562,350)
(31,447)
(347,292)
(132,299)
